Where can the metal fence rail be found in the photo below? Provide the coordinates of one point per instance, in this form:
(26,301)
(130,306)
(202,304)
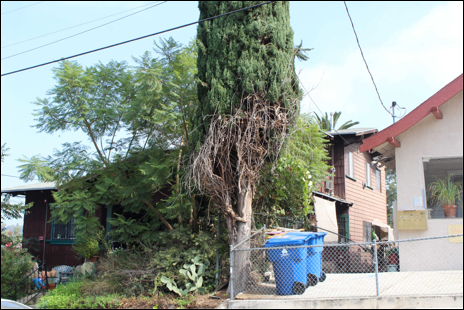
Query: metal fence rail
(346,270)
(25,290)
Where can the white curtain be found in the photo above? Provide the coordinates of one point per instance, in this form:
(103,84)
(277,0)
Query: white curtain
(326,217)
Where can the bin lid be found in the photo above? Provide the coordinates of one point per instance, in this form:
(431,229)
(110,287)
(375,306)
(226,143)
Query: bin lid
(287,239)
(308,234)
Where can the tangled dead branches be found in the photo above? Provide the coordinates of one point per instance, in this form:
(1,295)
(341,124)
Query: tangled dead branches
(235,149)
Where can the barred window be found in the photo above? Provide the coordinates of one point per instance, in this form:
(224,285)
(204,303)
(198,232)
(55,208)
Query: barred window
(64,231)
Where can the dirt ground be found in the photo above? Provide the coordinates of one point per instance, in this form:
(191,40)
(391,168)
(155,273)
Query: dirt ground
(172,302)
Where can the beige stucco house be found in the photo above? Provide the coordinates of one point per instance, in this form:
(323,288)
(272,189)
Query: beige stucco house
(424,145)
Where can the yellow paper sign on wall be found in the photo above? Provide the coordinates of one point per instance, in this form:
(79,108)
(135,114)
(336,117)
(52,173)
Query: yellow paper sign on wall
(455,230)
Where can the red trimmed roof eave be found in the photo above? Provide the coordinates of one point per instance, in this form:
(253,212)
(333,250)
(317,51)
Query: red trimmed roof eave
(424,109)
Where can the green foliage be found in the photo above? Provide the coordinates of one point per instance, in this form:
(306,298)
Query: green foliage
(9,210)
(391,194)
(140,269)
(70,296)
(193,275)
(446,192)
(16,264)
(324,122)
(4,152)
(86,246)
(245,53)
(286,189)
(131,116)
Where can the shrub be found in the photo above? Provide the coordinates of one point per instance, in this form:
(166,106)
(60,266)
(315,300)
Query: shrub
(86,246)
(16,264)
(140,269)
(71,296)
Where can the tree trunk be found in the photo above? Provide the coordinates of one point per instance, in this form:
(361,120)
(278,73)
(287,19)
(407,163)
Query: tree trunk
(241,263)
(179,214)
(193,215)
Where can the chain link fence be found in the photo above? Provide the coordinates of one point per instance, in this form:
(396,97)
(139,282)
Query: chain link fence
(346,270)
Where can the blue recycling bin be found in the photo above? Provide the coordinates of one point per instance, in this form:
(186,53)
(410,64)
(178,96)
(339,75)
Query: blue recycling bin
(314,258)
(290,266)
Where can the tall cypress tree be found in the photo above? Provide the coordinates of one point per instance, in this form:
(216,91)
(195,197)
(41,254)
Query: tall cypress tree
(240,54)
(248,97)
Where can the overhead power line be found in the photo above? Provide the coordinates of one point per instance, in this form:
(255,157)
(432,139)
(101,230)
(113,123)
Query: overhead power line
(139,38)
(35,48)
(47,34)
(13,176)
(22,7)
(372,78)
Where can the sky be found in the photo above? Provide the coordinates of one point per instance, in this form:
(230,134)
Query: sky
(413,49)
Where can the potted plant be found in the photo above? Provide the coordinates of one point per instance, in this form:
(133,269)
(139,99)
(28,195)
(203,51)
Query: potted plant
(87,247)
(51,284)
(446,192)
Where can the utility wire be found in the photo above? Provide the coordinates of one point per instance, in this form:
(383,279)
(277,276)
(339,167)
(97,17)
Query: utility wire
(139,38)
(44,35)
(13,176)
(32,49)
(357,40)
(23,7)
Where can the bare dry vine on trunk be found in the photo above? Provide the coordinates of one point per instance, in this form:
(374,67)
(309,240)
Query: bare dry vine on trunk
(236,147)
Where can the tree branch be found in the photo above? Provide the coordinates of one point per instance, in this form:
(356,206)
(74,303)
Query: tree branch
(150,206)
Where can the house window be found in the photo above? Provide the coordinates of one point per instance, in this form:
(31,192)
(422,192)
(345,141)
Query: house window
(64,231)
(441,169)
(378,180)
(350,164)
(343,228)
(367,231)
(368,174)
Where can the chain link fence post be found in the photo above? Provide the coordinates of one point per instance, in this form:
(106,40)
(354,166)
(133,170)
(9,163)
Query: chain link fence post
(231,272)
(264,234)
(376,268)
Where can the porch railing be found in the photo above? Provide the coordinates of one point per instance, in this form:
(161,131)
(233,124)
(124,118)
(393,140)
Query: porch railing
(26,288)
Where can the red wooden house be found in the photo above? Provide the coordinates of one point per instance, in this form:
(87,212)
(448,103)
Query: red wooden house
(55,240)
(357,189)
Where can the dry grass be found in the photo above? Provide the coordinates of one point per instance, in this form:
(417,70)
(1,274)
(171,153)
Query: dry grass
(170,301)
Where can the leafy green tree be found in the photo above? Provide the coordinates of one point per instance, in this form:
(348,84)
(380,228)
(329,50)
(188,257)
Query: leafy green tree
(11,210)
(285,189)
(324,122)
(136,119)
(391,194)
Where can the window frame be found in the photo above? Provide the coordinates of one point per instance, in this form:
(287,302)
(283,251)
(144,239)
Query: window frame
(350,165)
(368,174)
(71,227)
(378,180)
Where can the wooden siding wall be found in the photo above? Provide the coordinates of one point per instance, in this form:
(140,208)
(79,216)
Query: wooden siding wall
(339,165)
(34,224)
(368,204)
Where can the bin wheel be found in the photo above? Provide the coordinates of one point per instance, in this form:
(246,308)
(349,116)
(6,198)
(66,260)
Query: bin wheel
(298,288)
(312,279)
(323,277)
